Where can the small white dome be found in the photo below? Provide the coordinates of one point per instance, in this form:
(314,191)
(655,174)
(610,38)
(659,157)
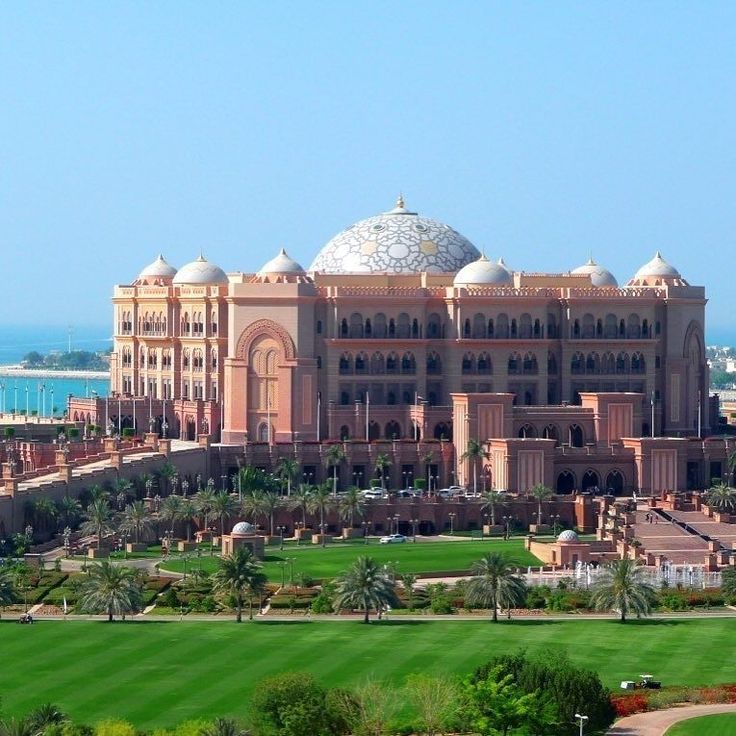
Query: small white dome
(243,527)
(568,536)
(160,268)
(599,276)
(657,267)
(282,263)
(482,272)
(200,271)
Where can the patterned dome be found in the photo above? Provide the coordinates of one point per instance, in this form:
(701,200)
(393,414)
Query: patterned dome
(398,241)
(568,536)
(200,271)
(243,527)
(482,271)
(599,276)
(158,269)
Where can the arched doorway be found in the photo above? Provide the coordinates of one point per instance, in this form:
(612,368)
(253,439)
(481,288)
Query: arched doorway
(576,436)
(565,482)
(393,430)
(191,429)
(443,430)
(528,431)
(374,431)
(591,480)
(615,483)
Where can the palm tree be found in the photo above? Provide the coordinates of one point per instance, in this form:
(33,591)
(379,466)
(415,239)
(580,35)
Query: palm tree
(223,507)
(270,503)
(428,459)
(223,727)
(98,519)
(251,479)
(97,491)
(475,452)
(237,575)
(381,465)
(167,472)
(541,493)
(491,499)
(286,471)
(111,589)
(188,513)
(123,492)
(17,727)
(494,583)
(409,580)
(301,500)
(204,500)
(621,588)
(171,511)
(321,501)
(732,464)
(722,497)
(365,586)
(136,520)
(335,457)
(45,715)
(44,512)
(69,509)
(351,505)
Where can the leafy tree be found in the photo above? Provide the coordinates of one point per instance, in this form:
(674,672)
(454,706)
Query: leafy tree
(722,497)
(136,520)
(728,582)
(475,452)
(111,589)
(286,471)
(409,580)
(251,479)
(494,583)
(381,465)
(6,589)
(541,493)
(98,518)
(491,499)
(320,500)
(621,588)
(334,458)
(293,704)
(224,506)
(496,705)
(434,699)
(69,510)
(366,586)
(351,505)
(300,500)
(239,574)
(565,688)
(369,708)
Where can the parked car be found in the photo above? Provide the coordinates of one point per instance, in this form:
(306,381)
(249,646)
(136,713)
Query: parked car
(372,493)
(407,493)
(393,539)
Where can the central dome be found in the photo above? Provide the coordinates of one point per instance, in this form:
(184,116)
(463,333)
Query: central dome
(398,241)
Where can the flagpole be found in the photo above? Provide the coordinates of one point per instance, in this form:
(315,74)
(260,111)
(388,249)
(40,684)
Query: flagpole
(367,415)
(416,415)
(319,414)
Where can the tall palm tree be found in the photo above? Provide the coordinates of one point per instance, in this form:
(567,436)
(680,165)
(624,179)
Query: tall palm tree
(253,506)
(541,493)
(204,500)
(111,589)
(188,514)
(428,459)
(732,464)
(224,506)
(238,574)
(301,500)
(167,472)
(321,501)
(475,452)
(136,520)
(621,588)
(69,510)
(334,458)
(365,586)
(286,471)
(494,583)
(170,510)
(44,513)
(124,491)
(381,465)
(270,503)
(722,497)
(351,505)
(251,479)
(98,519)
(491,499)
(409,580)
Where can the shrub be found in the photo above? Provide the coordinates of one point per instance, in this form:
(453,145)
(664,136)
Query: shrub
(441,605)
(73,433)
(322,604)
(113,727)
(9,432)
(128,433)
(627,705)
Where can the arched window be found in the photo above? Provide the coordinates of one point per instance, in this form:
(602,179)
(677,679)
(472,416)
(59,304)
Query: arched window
(408,363)
(443,431)
(368,330)
(565,482)
(577,364)
(392,363)
(392,327)
(263,433)
(434,327)
(374,431)
(479,327)
(550,432)
(345,365)
(529,366)
(344,432)
(403,327)
(484,365)
(491,331)
(593,363)
(466,329)
(638,364)
(502,326)
(645,328)
(588,329)
(356,325)
(576,437)
(361,363)
(514,365)
(415,328)
(468,364)
(609,327)
(551,325)
(392,430)
(615,482)
(622,363)
(576,329)
(514,331)
(599,328)
(525,326)
(608,364)
(527,431)
(434,364)
(591,480)
(379,326)
(378,364)
(344,328)
(633,327)
(551,364)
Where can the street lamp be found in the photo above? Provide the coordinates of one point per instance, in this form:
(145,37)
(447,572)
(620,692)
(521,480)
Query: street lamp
(581,721)
(366,530)
(396,520)
(298,526)
(452,516)
(291,561)
(555,523)
(184,487)
(507,526)
(281,529)
(66,534)
(414,523)
(484,524)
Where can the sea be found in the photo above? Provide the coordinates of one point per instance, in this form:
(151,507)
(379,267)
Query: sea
(43,394)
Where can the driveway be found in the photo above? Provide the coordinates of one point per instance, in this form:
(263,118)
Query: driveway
(657,722)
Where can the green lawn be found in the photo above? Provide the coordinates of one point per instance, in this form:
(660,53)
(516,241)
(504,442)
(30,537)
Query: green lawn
(330,561)
(159,673)
(718,725)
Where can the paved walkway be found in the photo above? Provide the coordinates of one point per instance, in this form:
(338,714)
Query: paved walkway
(657,722)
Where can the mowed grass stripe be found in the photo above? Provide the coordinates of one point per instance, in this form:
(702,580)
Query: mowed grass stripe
(161,673)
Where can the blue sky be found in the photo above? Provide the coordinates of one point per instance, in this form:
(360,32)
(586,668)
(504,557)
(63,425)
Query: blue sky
(541,131)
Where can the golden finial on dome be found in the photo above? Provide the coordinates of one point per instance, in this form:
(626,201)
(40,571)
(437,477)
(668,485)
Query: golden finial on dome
(400,202)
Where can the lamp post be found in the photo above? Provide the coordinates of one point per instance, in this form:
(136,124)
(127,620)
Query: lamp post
(281,529)
(483,525)
(414,524)
(366,530)
(452,516)
(555,523)
(581,721)
(291,561)
(184,487)
(66,534)
(298,526)
(506,526)
(282,564)
(396,521)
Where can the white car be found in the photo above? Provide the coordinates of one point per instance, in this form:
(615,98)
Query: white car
(393,539)
(372,493)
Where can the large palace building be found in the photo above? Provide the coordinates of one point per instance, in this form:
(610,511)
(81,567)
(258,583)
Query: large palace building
(402,339)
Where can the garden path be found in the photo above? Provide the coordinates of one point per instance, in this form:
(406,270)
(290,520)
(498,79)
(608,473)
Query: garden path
(657,722)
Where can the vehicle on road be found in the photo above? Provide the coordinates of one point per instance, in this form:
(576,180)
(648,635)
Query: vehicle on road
(372,493)
(393,539)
